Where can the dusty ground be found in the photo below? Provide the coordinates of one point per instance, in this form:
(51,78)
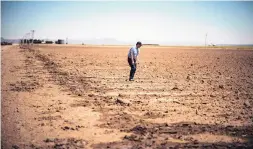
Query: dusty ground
(79,97)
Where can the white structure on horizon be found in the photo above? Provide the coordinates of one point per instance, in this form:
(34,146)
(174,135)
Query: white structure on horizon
(32,34)
(206,40)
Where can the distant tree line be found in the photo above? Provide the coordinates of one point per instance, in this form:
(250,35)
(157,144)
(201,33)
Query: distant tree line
(49,42)
(6,43)
(35,41)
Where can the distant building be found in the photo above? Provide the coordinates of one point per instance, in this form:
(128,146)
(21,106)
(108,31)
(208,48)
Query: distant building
(213,45)
(60,41)
(49,42)
(151,44)
(6,43)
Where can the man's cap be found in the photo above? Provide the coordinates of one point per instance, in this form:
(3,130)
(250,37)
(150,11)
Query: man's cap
(138,43)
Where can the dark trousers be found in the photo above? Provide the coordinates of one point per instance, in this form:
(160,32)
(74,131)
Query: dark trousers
(133,68)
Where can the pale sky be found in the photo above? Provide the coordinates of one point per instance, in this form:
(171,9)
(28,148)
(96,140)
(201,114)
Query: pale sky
(150,22)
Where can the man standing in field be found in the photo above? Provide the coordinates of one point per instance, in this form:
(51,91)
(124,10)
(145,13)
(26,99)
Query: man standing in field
(132,59)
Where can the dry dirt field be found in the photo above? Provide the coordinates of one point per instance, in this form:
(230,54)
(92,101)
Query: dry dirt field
(79,97)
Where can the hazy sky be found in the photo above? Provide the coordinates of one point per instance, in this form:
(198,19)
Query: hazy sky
(157,22)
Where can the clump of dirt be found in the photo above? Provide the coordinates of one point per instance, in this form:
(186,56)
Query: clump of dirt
(139,129)
(122,102)
(24,86)
(153,114)
(66,143)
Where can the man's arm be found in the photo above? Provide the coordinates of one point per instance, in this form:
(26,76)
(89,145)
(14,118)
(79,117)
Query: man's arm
(138,52)
(132,56)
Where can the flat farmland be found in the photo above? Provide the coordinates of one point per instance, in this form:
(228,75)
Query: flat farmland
(69,96)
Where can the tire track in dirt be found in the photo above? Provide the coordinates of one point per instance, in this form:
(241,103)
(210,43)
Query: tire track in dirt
(30,78)
(67,81)
(53,114)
